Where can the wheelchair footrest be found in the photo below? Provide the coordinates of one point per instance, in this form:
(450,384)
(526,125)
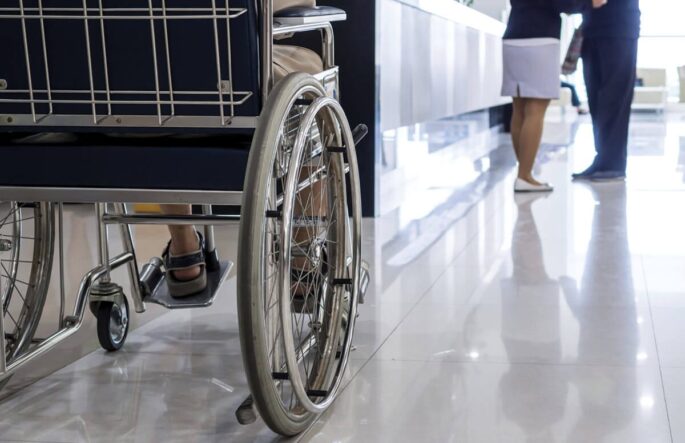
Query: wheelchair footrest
(215,278)
(246,413)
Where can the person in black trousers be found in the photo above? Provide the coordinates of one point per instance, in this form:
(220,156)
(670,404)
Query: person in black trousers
(610,64)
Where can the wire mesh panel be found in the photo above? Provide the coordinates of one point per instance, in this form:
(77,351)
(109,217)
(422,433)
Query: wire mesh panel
(128,64)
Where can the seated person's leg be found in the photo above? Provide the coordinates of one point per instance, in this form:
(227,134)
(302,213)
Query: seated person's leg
(184,239)
(289,58)
(186,272)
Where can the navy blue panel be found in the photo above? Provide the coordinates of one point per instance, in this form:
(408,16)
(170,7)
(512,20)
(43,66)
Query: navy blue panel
(356,56)
(130,60)
(210,163)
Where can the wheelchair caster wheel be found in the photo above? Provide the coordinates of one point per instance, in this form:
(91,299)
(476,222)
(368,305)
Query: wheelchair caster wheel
(113,321)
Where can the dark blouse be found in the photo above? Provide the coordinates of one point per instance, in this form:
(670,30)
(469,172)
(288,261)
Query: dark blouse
(541,18)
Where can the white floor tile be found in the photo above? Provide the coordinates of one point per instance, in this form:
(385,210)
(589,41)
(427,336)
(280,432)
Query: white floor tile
(489,318)
(400,401)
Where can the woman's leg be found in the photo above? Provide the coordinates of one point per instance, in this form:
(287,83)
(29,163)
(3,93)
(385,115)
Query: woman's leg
(517,123)
(183,240)
(531,135)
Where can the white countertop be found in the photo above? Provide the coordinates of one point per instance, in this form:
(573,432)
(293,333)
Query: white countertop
(456,12)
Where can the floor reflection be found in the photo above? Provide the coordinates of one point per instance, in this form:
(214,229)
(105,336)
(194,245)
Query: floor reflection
(490,318)
(607,279)
(528,284)
(608,274)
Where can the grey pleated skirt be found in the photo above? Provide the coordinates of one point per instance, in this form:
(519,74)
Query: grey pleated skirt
(532,68)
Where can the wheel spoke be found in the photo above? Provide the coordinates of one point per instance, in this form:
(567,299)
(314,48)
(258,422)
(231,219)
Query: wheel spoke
(16,324)
(13,281)
(17,236)
(7,260)
(24,219)
(12,212)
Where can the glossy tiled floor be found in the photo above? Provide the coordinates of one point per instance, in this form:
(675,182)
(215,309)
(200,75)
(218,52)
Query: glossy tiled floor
(490,318)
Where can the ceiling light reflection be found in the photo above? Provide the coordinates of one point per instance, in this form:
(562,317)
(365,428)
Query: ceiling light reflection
(647,402)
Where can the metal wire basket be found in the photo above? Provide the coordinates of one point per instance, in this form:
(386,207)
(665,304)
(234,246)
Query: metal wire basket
(128,64)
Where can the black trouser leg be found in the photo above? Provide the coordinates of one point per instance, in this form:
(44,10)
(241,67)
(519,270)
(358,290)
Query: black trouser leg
(610,69)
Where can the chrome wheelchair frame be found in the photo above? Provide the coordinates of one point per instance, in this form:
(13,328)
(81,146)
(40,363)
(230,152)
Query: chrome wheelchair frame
(315,154)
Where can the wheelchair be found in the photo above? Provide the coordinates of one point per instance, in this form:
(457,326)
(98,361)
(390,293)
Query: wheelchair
(102,100)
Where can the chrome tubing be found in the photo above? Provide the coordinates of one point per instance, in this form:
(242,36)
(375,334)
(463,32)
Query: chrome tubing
(62,291)
(76,320)
(328,38)
(209,229)
(103,238)
(328,46)
(93,195)
(133,272)
(145,219)
(267,39)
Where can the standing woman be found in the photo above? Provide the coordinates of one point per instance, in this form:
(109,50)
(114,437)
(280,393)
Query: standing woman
(532,67)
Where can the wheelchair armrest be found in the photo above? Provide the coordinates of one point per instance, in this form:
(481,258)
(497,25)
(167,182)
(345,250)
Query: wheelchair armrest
(299,15)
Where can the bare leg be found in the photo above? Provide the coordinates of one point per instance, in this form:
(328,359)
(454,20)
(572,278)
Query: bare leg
(517,123)
(183,240)
(530,137)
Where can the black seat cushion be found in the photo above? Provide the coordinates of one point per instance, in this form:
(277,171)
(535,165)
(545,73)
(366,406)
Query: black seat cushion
(303,11)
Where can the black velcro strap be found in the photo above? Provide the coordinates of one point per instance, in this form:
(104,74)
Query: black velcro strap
(176,263)
(280,376)
(180,262)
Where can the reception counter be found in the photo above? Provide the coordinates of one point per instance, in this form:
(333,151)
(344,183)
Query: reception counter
(405,62)
(436,59)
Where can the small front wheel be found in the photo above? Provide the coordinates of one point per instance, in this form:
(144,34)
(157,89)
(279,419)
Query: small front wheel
(113,321)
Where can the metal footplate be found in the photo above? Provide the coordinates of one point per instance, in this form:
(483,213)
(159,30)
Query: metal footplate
(154,284)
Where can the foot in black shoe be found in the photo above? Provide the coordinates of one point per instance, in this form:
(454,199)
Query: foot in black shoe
(173,264)
(585,175)
(608,176)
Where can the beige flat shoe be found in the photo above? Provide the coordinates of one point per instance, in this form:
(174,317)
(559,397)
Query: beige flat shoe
(523,186)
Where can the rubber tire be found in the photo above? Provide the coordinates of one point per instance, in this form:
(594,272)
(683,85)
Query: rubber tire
(104,315)
(43,254)
(250,306)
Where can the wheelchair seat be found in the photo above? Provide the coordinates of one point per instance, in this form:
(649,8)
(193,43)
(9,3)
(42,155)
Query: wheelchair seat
(304,15)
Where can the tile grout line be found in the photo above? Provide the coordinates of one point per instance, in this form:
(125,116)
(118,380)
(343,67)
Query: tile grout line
(656,347)
(368,360)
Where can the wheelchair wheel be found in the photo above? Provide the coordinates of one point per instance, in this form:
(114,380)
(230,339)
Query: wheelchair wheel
(26,254)
(299,256)
(112,324)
